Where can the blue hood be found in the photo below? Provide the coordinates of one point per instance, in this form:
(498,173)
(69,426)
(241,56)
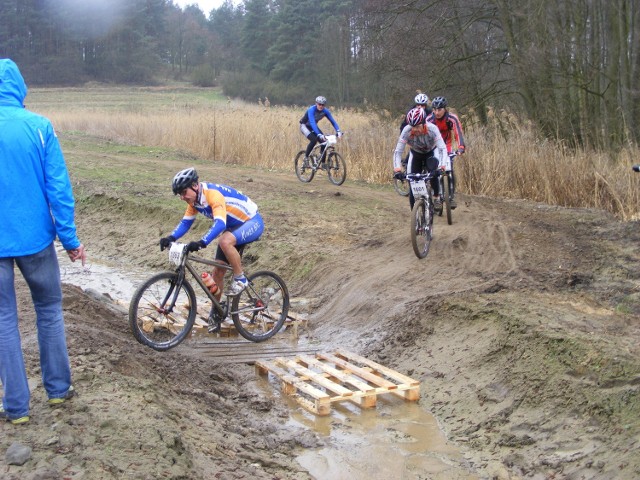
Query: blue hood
(13,90)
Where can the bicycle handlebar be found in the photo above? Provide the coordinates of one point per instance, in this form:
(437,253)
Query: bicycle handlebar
(421,176)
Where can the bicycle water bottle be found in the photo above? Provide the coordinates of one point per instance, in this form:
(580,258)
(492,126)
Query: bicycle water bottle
(209,282)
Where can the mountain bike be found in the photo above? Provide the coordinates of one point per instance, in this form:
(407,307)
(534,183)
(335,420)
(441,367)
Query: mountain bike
(401,185)
(422,212)
(163,309)
(328,160)
(445,185)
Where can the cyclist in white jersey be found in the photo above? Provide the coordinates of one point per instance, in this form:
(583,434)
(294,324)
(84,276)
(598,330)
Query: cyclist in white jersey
(427,151)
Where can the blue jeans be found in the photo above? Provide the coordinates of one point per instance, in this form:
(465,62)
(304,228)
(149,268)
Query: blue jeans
(42,273)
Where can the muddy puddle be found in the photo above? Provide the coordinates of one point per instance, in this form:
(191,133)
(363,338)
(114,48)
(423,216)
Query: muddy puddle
(101,276)
(396,439)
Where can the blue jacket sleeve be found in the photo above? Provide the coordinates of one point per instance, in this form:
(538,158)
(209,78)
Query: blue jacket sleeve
(59,191)
(330,117)
(183,227)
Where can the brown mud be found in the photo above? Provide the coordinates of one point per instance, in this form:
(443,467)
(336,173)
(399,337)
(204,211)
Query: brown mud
(522,324)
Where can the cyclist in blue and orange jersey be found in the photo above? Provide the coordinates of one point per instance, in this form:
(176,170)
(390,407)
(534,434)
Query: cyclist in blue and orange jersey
(451,130)
(420,100)
(309,124)
(427,151)
(236,222)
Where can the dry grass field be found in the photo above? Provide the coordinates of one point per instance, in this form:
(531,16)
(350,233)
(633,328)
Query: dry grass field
(505,159)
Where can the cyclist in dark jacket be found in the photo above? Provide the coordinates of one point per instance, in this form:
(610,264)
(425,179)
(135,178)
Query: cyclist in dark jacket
(451,130)
(309,123)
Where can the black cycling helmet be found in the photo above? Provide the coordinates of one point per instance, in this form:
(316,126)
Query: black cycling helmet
(184,179)
(439,102)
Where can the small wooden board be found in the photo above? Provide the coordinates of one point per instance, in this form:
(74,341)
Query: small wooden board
(292,323)
(320,380)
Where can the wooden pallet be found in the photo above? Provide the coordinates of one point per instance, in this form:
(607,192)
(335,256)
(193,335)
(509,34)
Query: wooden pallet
(292,323)
(318,381)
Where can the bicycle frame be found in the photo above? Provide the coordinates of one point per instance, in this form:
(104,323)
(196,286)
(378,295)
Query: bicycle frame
(184,262)
(329,145)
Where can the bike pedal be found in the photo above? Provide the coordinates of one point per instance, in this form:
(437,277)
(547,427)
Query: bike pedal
(215,328)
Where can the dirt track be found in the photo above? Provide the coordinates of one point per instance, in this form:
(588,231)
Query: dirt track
(523,325)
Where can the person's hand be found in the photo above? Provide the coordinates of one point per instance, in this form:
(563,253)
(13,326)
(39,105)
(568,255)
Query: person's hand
(460,151)
(78,254)
(321,138)
(166,241)
(195,246)
(398,175)
(340,134)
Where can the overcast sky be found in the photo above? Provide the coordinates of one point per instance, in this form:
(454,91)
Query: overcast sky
(205,5)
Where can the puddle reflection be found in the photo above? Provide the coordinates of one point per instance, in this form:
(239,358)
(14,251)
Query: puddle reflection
(397,439)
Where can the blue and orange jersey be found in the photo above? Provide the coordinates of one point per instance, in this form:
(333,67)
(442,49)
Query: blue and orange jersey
(227,207)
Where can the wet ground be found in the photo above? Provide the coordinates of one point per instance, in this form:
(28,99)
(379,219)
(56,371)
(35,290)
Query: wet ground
(522,326)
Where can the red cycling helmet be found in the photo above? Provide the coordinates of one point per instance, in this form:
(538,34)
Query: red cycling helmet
(416,116)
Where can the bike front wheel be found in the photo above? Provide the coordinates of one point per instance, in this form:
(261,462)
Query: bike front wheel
(421,227)
(446,197)
(336,168)
(261,309)
(402,186)
(161,313)
(304,171)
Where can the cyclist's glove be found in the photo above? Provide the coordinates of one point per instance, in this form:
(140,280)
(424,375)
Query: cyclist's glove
(398,175)
(195,246)
(321,138)
(340,134)
(166,241)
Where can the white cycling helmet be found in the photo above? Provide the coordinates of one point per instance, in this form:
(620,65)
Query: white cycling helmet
(421,99)
(321,100)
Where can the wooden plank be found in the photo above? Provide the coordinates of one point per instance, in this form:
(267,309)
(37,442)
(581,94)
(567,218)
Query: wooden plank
(365,396)
(376,366)
(360,372)
(339,374)
(316,377)
(298,383)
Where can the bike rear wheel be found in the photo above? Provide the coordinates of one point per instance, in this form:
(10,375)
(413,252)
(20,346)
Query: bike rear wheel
(261,309)
(304,172)
(446,197)
(421,227)
(151,322)
(336,168)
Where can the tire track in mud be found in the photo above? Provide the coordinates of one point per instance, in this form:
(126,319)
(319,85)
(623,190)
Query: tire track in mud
(376,280)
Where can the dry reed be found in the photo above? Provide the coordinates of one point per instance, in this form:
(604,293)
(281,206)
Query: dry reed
(504,159)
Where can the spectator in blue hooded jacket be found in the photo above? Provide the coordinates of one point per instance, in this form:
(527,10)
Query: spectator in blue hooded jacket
(37,206)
